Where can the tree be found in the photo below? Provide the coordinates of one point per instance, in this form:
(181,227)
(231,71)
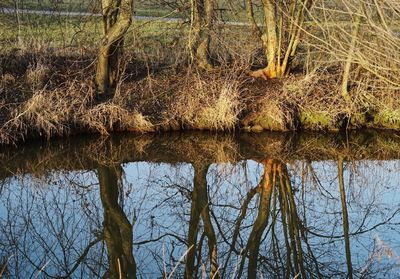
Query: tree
(283,22)
(117,17)
(200,32)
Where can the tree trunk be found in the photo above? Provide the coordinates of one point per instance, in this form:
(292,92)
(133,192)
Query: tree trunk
(270,38)
(353,43)
(117,17)
(283,26)
(200,33)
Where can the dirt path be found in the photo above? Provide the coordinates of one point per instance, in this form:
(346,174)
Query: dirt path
(85,14)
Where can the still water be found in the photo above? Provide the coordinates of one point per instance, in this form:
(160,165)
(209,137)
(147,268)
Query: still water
(202,206)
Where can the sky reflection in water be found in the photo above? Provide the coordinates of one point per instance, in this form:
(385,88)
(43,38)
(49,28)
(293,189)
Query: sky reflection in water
(145,216)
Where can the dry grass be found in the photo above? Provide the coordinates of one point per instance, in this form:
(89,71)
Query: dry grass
(49,113)
(374,80)
(107,117)
(37,75)
(69,109)
(208,102)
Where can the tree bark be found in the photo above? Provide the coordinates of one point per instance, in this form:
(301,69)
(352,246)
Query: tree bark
(117,17)
(353,43)
(200,33)
(270,38)
(283,26)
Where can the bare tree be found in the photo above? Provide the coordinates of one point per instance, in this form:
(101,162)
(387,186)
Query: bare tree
(283,25)
(117,17)
(202,14)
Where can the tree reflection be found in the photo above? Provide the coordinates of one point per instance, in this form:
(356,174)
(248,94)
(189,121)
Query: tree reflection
(345,218)
(271,222)
(117,231)
(265,189)
(277,206)
(200,208)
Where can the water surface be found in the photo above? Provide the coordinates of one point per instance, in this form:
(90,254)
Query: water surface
(202,206)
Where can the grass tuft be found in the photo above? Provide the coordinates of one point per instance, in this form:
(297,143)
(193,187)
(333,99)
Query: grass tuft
(211,103)
(37,75)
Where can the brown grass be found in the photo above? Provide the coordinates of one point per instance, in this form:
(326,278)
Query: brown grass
(44,94)
(107,117)
(374,82)
(69,109)
(37,75)
(208,102)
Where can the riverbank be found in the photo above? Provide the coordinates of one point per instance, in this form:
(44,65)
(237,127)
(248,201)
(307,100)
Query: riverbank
(50,95)
(195,147)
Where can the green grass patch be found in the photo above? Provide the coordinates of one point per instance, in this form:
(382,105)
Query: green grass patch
(141,8)
(45,31)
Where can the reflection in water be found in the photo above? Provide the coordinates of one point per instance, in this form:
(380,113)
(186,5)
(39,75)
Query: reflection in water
(117,230)
(197,216)
(200,208)
(253,243)
(345,218)
(276,185)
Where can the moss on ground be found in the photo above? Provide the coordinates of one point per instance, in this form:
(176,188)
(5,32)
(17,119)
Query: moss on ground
(317,120)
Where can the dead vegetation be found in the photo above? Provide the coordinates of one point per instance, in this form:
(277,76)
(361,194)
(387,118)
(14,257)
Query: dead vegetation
(208,103)
(223,100)
(59,105)
(50,92)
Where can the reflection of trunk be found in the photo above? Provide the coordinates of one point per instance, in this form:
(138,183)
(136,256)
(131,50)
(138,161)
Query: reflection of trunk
(117,229)
(200,33)
(345,219)
(200,207)
(276,180)
(253,243)
(291,225)
(117,17)
(238,222)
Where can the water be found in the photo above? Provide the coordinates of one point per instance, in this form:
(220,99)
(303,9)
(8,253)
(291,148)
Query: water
(202,206)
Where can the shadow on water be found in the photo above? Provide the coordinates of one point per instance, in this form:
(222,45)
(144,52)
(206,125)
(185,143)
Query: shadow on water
(202,206)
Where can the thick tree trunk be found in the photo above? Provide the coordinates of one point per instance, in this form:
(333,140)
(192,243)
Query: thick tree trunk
(283,26)
(270,38)
(200,33)
(117,17)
